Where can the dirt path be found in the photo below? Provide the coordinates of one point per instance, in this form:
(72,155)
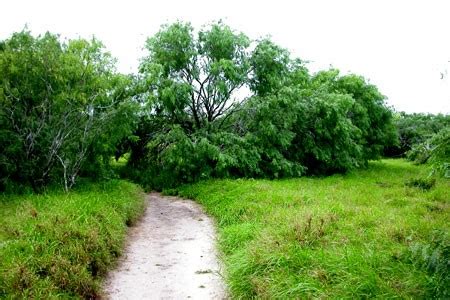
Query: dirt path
(170,255)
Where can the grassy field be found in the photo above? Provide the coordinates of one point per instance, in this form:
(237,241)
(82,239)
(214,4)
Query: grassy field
(60,245)
(361,235)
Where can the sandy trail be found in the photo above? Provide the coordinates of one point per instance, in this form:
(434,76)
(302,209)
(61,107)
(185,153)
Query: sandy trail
(170,254)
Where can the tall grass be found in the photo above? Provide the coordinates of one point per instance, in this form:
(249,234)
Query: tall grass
(361,235)
(60,245)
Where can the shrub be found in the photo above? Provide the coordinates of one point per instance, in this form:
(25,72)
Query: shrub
(440,153)
(415,129)
(436,151)
(422,183)
(434,257)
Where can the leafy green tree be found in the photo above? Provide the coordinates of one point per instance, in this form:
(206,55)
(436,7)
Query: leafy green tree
(369,112)
(297,133)
(60,104)
(273,69)
(415,129)
(270,64)
(192,80)
(267,123)
(190,85)
(198,125)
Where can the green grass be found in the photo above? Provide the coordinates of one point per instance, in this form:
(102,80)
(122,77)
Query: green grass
(361,235)
(61,245)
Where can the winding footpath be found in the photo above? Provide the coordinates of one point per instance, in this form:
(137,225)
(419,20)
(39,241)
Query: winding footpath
(170,254)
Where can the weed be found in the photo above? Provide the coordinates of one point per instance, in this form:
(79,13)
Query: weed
(422,183)
(59,245)
(434,257)
(345,237)
(170,192)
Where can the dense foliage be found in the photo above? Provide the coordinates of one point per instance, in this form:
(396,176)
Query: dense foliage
(220,105)
(414,129)
(212,103)
(423,138)
(435,150)
(61,105)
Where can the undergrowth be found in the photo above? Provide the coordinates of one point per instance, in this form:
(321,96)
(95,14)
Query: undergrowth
(361,235)
(61,244)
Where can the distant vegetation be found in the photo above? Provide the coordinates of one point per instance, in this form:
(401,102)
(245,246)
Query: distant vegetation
(414,129)
(423,138)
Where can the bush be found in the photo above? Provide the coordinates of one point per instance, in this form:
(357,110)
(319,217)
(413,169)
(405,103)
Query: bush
(175,157)
(434,258)
(422,183)
(414,130)
(436,151)
(440,153)
(297,134)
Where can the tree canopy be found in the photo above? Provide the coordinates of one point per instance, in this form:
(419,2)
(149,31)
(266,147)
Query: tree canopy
(61,105)
(218,104)
(191,80)
(205,103)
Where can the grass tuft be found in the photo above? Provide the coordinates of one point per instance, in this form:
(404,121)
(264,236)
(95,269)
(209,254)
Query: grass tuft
(61,245)
(421,183)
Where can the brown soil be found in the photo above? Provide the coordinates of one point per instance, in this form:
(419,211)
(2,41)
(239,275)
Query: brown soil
(170,254)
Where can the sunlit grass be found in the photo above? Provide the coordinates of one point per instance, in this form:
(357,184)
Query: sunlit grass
(344,236)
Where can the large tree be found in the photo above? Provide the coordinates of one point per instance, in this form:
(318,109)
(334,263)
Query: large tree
(195,79)
(369,112)
(221,105)
(60,104)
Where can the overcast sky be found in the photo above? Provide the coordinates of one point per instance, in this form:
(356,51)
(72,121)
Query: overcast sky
(401,46)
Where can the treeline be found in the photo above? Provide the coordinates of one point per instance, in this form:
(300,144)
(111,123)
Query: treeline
(207,103)
(423,138)
(198,124)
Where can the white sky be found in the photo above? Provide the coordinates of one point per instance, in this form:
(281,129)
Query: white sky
(401,46)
